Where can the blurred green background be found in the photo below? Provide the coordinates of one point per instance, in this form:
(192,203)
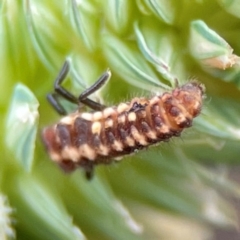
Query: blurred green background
(177,190)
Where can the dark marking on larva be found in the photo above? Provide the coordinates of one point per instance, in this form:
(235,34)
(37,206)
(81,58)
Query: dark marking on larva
(67,165)
(174,111)
(123,134)
(110,137)
(50,140)
(145,127)
(137,107)
(158,121)
(186,123)
(96,141)
(81,130)
(88,139)
(64,135)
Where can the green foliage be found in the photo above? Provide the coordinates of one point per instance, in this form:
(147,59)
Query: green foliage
(147,45)
(22,125)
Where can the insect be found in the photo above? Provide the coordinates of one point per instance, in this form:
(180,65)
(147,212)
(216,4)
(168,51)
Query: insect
(101,136)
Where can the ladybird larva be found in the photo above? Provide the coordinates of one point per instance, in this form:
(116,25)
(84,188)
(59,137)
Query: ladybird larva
(86,139)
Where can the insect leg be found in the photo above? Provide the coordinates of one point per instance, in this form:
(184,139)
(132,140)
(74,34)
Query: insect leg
(89,172)
(57,84)
(83,98)
(92,104)
(53,100)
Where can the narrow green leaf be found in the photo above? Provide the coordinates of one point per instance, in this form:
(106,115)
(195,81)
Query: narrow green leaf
(21,125)
(98,200)
(222,122)
(47,211)
(45,40)
(126,60)
(143,8)
(84,19)
(166,225)
(171,182)
(209,48)
(149,55)
(118,13)
(228,75)
(231,6)
(84,71)
(158,47)
(17,57)
(36,37)
(209,149)
(163,9)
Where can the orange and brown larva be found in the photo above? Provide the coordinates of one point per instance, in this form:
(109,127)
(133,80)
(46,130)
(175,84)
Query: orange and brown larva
(86,139)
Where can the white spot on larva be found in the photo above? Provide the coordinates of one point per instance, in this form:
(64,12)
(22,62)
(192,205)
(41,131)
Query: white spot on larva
(196,105)
(163,129)
(70,153)
(108,123)
(96,127)
(56,157)
(130,142)
(97,116)
(122,107)
(138,137)
(67,120)
(103,150)
(122,118)
(87,116)
(87,152)
(151,135)
(117,146)
(108,112)
(132,117)
(180,118)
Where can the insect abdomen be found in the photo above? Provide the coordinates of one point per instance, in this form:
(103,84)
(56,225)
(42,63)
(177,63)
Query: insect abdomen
(84,139)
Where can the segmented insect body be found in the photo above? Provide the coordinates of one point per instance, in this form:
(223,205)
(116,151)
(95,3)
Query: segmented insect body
(85,139)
